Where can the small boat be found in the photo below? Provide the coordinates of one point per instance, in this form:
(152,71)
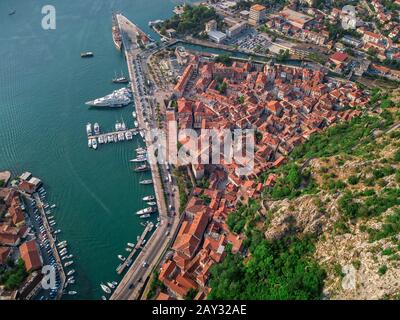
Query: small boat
(142,168)
(134,114)
(140,149)
(12,13)
(152,203)
(62,243)
(87,54)
(96,128)
(147,210)
(120,79)
(53,206)
(67,264)
(71,272)
(105,288)
(101,140)
(90,143)
(94,144)
(70,279)
(115,283)
(110,285)
(149,181)
(132,245)
(148,198)
(128,249)
(136,124)
(128,135)
(145,216)
(117,126)
(122,258)
(141,153)
(110,138)
(71,293)
(57,231)
(139,159)
(103,298)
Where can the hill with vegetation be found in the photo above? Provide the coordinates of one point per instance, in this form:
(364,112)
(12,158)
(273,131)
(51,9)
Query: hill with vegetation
(330,226)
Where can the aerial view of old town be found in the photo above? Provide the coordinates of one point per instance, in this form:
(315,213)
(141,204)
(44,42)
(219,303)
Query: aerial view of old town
(248,150)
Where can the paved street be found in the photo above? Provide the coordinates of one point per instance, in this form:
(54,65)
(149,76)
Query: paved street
(136,57)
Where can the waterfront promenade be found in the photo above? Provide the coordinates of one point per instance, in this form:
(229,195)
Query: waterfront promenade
(131,285)
(52,242)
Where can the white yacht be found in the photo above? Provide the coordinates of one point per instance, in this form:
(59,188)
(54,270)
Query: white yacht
(90,143)
(94,144)
(132,245)
(110,285)
(122,258)
(148,198)
(89,129)
(96,128)
(105,288)
(118,98)
(134,114)
(128,135)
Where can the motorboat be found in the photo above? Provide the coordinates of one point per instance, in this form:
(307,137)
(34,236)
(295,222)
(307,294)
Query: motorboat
(129,244)
(105,288)
(87,54)
(71,272)
(122,258)
(148,181)
(152,203)
(110,285)
(71,293)
(94,144)
(89,129)
(96,128)
(147,210)
(68,263)
(145,216)
(148,198)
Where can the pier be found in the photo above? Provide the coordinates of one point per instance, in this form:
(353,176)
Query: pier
(53,245)
(122,266)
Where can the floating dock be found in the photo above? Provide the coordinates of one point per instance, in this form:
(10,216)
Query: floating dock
(138,245)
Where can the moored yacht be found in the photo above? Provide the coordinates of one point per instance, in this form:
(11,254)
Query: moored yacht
(148,198)
(105,288)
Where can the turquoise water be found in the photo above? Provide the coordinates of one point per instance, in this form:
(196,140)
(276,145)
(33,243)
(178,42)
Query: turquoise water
(43,86)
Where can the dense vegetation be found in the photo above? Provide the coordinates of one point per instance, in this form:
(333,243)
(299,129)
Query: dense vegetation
(390,227)
(368,206)
(13,277)
(225,59)
(1,183)
(292,182)
(278,270)
(341,138)
(191,21)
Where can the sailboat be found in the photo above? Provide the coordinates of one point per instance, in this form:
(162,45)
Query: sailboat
(120,79)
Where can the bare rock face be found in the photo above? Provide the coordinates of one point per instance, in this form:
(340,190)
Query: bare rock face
(296,216)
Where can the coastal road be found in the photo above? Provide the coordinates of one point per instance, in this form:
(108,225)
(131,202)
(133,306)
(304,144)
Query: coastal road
(132,283)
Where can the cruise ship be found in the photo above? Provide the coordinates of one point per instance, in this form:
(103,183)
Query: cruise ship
(119,98)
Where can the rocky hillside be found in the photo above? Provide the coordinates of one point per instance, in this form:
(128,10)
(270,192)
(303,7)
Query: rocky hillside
(341,189)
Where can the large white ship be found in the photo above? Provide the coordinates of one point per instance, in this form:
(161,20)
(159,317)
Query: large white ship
(119,98)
